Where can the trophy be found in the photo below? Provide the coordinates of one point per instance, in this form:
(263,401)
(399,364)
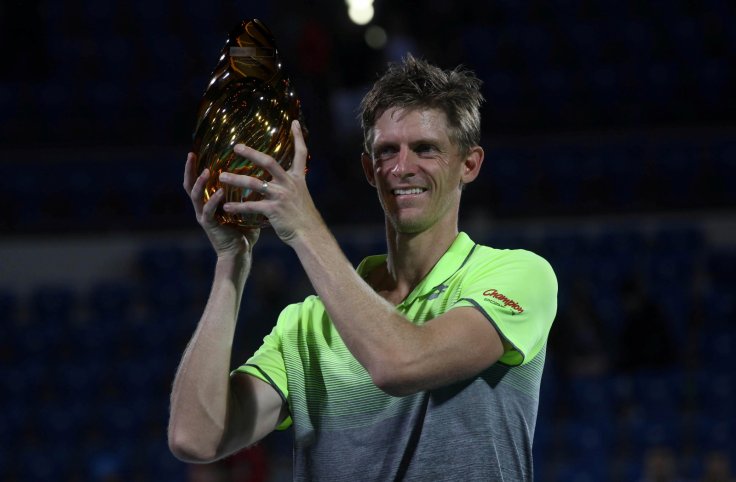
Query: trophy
(248,100)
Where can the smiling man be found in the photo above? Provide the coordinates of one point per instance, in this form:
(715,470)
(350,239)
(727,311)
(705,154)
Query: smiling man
(423,363)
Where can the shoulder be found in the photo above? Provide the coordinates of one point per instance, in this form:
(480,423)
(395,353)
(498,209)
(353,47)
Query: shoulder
(486,260)
(308,313)
(517,291)
(294,311)
(484,251)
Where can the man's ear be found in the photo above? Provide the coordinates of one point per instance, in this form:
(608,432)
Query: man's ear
(471,164)
(367,162)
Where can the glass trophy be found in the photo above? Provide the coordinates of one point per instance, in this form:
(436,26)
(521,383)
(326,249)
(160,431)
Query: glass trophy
(248,100)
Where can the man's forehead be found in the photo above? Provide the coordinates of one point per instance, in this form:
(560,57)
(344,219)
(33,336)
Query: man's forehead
(398,114)
(424,121)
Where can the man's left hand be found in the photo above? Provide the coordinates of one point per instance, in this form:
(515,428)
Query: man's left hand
(286,201)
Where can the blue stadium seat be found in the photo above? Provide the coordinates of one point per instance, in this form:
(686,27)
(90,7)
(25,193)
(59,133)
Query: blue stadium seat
(111,301)
(592,400)
(714,431)
(52,308)
(660,394)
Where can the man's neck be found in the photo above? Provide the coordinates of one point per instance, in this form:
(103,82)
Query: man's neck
(410,258)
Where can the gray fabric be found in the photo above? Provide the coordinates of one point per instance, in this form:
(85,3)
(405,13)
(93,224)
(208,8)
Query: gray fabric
(480,429)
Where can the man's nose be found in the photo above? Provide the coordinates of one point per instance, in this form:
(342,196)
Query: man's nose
(405,165)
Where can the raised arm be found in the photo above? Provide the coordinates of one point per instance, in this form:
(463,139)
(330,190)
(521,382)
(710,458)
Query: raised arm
(401,357)
(212,413)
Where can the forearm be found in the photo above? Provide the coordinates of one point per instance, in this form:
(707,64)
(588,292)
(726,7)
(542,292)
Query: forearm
(200,394)
(378,336)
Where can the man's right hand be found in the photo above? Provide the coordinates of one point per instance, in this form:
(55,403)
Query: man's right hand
(227,241)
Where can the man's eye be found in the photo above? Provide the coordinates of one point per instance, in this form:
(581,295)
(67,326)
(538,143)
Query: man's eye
(385,152)
(425,149)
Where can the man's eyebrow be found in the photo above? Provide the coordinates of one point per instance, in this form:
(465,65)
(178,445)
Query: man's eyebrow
(435,142)
(425,140)
(383,144)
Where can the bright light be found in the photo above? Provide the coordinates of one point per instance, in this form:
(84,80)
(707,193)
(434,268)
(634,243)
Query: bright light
(361,15)
(360,11)
(375,37)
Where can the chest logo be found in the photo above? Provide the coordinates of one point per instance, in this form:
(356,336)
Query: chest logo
(492,295)
(438,290)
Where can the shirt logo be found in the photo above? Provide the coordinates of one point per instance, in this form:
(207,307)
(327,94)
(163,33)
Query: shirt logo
(497,298)
(438,290)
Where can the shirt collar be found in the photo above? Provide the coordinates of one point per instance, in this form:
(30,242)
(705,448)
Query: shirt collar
(453,259)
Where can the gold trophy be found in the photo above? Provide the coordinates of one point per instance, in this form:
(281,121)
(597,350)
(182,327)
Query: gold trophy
(248,100)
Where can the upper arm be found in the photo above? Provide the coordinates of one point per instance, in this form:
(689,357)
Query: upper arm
(504,313)
(255,410)
(466,339)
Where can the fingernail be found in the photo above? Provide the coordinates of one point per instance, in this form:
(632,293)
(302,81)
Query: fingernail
(224,176)
(296,123)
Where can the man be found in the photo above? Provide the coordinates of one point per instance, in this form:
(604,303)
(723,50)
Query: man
(422,364)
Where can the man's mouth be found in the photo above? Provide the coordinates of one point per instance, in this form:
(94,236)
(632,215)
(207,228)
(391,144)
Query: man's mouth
(408,191)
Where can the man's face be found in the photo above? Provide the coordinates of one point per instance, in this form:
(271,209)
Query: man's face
(417,170)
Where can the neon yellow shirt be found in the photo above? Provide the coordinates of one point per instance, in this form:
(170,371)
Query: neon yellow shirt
(333,402)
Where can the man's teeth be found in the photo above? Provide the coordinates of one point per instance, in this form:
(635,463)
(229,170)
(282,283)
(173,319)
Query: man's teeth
(414,190)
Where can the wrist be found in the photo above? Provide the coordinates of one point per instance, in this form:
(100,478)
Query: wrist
(232,255)
(234,262)
(310,236)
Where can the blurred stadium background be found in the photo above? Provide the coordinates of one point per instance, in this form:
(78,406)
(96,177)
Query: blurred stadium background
(609,132)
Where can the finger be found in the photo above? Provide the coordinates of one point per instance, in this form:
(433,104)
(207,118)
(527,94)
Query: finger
(299,166)
(249,207)
(243,181)
(210,207)
(262,160)
(189,174)
(197,192)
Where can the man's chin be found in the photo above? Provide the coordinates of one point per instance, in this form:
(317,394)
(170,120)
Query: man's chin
(409,225)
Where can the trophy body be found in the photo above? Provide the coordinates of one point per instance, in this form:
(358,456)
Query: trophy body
(248,100)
